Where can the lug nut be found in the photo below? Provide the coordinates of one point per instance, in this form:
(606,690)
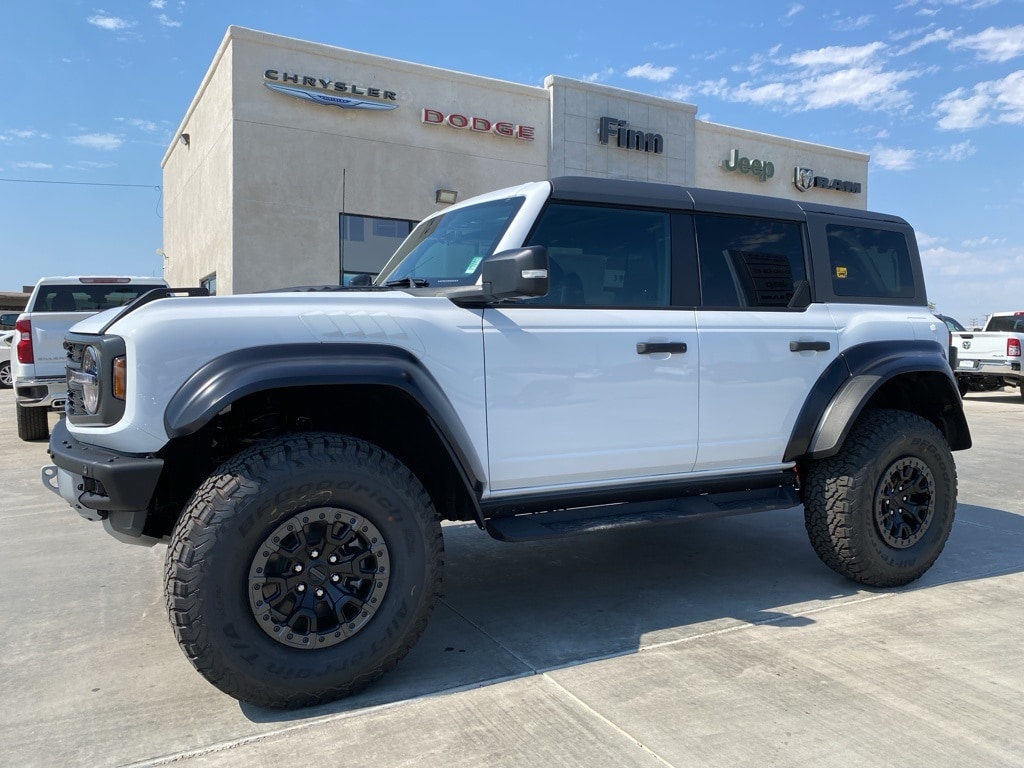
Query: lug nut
(314,553)
(335,578)
(319,592)
(332,559)
(300,588)
(297,568)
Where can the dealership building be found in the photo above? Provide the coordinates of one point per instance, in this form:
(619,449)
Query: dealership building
(299,163)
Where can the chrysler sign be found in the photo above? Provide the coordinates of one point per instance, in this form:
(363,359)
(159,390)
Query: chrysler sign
(333,93)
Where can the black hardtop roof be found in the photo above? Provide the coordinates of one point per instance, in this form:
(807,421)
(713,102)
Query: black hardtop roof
(649,194)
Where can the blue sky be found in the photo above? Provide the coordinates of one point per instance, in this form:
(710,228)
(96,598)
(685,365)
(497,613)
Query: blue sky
(932,89)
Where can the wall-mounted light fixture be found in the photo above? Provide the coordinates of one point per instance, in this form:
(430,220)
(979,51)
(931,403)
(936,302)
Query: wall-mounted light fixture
(446,196)
(185,139)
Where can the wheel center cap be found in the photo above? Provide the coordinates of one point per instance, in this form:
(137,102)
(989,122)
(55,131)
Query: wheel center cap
(318,573)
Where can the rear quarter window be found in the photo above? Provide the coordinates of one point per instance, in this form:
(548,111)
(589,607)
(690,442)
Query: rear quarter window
(869,263)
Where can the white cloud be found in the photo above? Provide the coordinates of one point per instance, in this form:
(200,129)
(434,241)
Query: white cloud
(850,24)
(992,101)
(88,165)
(983,242)
(793,10)
(651,72)
(835,56)
(679,93)
(868,88)
(17,133)
(956,152)
(158,4)
(893,158)
(595,77)
(995,45)
(166,21)
(938,36)
(143,125)
(103,141)
(927,241)
(33,165)
(113,23)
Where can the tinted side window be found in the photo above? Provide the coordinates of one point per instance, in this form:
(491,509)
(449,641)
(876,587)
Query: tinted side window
(604,257)
(874,263)
(748,262)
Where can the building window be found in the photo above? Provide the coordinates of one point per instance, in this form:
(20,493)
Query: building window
(367,242)
(210,283)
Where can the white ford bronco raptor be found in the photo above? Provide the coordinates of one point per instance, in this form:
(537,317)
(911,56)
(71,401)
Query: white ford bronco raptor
(561,357)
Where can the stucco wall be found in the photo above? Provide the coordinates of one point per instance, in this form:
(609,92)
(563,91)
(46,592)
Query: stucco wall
(576,148)
(197,183)
(256,195)
(297,165)
(714,145)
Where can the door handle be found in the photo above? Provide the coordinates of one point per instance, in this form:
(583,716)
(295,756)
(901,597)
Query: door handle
(654,347)
(809,346)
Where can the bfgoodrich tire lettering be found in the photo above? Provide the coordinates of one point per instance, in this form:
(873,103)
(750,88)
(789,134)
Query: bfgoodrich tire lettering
(879,512)
(298,515)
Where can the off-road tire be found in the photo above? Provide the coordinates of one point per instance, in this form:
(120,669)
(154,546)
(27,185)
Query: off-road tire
(228,534)
(33,423)
(879,511)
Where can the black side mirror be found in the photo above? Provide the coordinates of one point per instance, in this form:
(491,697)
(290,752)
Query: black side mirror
(360,281)
(517,274)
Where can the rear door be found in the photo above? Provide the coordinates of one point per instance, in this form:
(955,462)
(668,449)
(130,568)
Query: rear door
(759,358)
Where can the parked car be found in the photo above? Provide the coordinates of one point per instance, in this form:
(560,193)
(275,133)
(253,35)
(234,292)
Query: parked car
(38,367)
(991,359)
(536,360)
(6,379)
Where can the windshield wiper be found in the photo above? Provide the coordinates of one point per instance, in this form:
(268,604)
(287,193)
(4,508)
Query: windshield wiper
(407,282)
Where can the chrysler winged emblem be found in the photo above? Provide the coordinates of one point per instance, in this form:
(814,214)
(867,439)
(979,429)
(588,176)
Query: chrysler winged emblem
(803,178)
(345,102)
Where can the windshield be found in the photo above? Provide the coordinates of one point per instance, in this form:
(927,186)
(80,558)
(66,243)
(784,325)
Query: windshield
(448,249)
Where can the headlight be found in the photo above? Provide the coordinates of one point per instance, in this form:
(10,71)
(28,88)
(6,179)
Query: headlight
(89,378)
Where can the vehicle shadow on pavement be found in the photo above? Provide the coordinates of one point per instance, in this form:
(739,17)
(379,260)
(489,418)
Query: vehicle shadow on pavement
(514,610)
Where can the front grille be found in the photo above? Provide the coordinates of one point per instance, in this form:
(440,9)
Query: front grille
(107,349)
(74,406)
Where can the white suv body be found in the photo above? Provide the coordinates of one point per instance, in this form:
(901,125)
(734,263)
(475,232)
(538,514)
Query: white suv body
(564,356)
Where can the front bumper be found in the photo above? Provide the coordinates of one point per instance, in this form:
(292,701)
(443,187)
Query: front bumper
(50,392)
(103,485)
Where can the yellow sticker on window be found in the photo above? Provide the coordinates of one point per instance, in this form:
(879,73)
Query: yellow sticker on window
(841,272)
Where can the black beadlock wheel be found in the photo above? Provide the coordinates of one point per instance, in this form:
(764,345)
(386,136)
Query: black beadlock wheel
(880,511)
(303,569)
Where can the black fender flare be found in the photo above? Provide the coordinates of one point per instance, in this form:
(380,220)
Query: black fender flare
(242,372)
(849,382)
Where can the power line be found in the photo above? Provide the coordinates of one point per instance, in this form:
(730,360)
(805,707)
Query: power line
(81,183)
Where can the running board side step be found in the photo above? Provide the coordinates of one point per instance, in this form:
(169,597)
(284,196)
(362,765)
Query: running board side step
(571,522)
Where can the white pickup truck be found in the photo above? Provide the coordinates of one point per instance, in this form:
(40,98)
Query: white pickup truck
(39,362)
(990,358)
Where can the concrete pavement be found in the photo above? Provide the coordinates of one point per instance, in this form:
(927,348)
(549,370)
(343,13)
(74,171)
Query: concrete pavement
(722,642)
